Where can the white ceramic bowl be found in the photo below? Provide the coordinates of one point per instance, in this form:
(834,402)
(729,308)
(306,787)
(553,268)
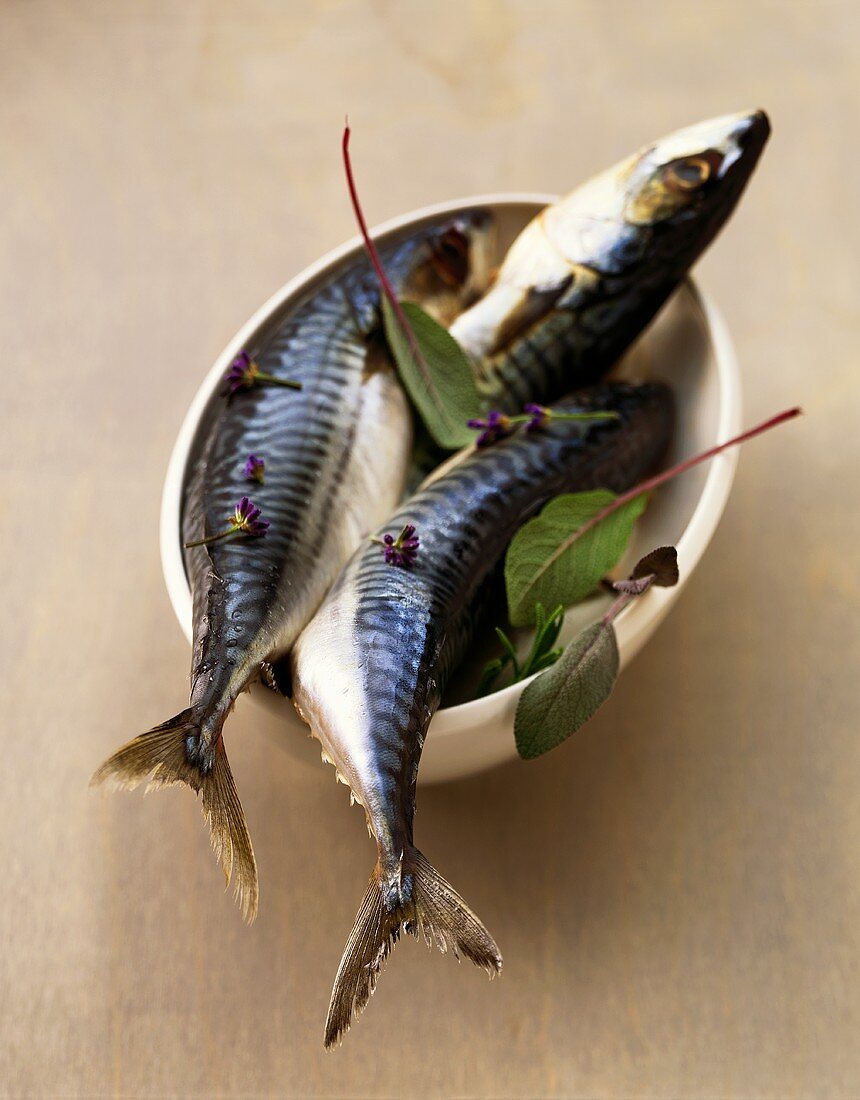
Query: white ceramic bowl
(688,346)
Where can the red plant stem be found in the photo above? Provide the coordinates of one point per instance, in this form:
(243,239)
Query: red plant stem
(618,606)
(682,467)
(387,288)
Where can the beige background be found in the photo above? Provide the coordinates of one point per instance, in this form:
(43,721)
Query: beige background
(677,891)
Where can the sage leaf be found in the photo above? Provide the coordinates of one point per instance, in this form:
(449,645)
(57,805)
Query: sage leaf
(562,699)
(660,567)
(662,563)
(557,558)
(439,380)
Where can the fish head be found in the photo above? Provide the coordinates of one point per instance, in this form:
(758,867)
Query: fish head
(453,264)
(696,173)
(642,223)
(660,207)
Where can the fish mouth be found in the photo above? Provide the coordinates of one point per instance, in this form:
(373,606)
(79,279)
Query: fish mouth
(739,139)
(741,142)
(751,134)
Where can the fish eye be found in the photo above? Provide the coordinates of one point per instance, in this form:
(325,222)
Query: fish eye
(450,256)
(689,173)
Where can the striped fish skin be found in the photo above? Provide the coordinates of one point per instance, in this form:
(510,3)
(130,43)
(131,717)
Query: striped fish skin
(336,454)
(370,668)
(588,274)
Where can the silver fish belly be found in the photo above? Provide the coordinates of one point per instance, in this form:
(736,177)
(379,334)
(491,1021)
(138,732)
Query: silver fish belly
(370,667)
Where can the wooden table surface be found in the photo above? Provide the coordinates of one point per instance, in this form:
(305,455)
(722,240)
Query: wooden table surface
(677,891)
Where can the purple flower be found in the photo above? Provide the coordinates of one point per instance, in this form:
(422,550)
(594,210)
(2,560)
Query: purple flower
(401,550)
(242,373)
(255,468)
(540,416)
(495,427)
(246,518)
(245,373)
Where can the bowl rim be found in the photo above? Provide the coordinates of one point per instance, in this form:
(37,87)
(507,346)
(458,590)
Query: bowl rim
(634,621)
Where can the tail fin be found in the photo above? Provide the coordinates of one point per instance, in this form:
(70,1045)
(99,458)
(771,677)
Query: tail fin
(422,903)
(164,756)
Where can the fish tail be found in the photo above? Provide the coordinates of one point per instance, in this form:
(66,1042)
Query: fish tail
(418,901)
(175,752)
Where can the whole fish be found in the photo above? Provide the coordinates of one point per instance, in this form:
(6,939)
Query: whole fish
(336,454)
(587,274)
(370,668)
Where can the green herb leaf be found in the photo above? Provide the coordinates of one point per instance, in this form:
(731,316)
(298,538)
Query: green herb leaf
(491,672)
(440,380)
(561,700)
(510,652)
(541,655)
(548,629)
(538,565)
(550,561)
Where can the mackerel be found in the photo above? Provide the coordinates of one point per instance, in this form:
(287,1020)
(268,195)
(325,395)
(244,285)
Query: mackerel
(586,276)
(370,668)
(337,452)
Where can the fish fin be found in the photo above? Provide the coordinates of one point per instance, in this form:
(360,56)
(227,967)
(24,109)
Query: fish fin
(276,678)
(534,305)
(421,903)
(446,920)
(281,677)
(163,757)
